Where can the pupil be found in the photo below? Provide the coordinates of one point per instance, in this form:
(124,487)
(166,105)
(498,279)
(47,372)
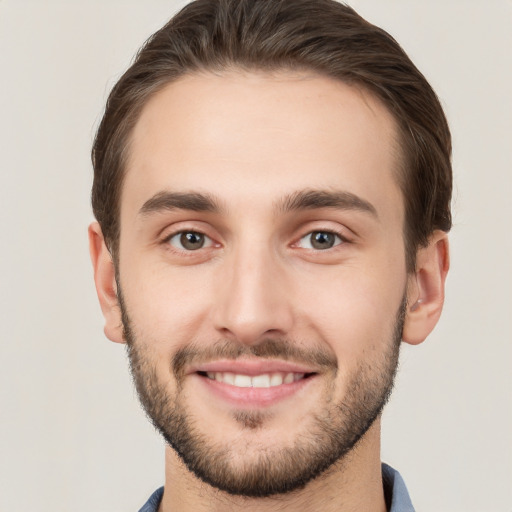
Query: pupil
(192,241)
(322,240)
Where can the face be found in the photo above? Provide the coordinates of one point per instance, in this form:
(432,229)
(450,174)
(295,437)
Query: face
(262,272)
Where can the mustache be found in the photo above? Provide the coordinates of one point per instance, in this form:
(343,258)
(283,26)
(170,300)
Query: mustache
(316,356)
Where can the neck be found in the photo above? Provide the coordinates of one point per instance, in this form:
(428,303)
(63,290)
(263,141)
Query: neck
(355,483)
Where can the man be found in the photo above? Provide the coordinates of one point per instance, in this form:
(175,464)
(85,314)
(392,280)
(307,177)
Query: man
(272,188)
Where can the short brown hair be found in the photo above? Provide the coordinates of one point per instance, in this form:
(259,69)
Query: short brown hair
(323,36)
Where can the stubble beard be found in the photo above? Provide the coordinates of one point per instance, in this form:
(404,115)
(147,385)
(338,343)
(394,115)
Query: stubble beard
(333,432)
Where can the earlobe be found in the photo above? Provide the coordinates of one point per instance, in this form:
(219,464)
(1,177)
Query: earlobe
(104,279)
(425,292)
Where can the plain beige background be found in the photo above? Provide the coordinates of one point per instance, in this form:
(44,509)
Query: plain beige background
(72,436)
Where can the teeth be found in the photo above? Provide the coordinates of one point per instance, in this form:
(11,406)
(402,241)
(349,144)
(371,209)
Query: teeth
(288,379)
(261,381)
(276,379)
(229,378)
(265,380)
(243,381)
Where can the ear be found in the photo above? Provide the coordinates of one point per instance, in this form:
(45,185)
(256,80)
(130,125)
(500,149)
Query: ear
(105,281)
(425,291)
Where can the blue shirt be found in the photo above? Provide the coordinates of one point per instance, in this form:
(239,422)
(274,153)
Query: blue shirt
(395,492)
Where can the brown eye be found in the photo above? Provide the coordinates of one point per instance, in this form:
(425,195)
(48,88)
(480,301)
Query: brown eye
(189,240)
(320,240)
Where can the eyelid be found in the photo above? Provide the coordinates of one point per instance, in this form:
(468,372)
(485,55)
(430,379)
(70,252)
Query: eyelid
(185,225)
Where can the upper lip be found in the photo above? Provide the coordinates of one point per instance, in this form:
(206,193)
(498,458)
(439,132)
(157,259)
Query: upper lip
(251,367)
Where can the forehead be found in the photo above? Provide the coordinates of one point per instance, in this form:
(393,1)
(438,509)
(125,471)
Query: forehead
(252,137)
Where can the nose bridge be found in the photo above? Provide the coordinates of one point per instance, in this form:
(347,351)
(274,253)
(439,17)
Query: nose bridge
(252,302)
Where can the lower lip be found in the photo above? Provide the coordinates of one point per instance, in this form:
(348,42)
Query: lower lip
(254,397)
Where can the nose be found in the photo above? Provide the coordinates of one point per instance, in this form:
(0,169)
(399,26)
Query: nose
(253,300)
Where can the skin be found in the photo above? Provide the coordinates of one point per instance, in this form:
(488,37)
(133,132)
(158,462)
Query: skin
(252,141)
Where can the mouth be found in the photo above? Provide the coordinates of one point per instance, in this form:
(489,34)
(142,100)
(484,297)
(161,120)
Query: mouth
(253,384)
(263,380)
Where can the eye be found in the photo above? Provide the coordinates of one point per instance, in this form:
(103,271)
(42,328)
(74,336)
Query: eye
(320,240)
(189,240)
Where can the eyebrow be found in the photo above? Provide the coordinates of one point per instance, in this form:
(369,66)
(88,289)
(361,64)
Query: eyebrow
(314,199)
(300,200)
(169,201)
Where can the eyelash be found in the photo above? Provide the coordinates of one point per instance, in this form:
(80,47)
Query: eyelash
(341,240)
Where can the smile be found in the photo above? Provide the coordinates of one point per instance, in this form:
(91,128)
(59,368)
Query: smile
(248,383)
(264,380)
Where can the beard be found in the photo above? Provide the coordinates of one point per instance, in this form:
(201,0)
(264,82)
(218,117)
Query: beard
(333,430)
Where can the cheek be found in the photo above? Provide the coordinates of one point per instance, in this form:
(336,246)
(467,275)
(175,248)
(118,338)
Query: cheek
(166,306)
(354,312)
